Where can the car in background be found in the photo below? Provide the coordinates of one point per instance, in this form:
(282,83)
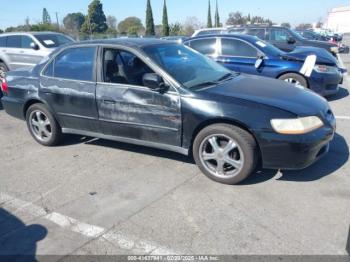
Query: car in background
(179,39)
(251,55)
(209,31)
(286,39)
(165,95)
(311,35)
(25,50)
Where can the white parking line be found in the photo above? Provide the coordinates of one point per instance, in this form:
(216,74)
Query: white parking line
(343,117)
(120,240)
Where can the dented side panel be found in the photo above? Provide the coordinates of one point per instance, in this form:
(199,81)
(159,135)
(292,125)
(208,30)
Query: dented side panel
(139,113)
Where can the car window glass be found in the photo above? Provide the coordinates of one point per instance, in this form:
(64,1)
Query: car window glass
(209,32)
(74,63)
(122,67)
(26,41)
(204,46)
(52,40)
(279,34)
(14,41)
(3,41)
(258,33)
(233,47)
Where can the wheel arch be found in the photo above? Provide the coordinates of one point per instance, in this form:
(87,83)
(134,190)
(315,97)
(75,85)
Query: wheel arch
(294,72)
(215,121)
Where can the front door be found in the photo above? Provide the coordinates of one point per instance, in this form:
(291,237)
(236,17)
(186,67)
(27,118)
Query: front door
(279,37)
(68,85)
(128,109)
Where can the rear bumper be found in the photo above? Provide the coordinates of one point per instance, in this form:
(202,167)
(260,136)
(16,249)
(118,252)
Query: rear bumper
(13,107)
(290,152)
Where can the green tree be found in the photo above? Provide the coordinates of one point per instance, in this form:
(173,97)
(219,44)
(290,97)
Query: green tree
(1,31)
(95,21)
(73,22)
(112,25)
(149,20)
(209,22)
(46,17)
(175,29)
(130,25)
(286,25)
(217,16)
(166,29)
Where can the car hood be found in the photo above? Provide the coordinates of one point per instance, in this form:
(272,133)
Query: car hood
(270,92)
(301,53)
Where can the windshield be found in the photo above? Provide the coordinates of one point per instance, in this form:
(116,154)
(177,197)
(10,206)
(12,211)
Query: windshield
(187,66)
(53,40)
(268,49)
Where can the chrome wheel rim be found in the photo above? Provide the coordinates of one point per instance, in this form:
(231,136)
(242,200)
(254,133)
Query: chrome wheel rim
(293,81)
(40,126)
(221,156)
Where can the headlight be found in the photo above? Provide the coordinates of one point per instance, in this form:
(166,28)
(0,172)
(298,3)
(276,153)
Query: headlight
(325,69)
(335,49)
(296,126)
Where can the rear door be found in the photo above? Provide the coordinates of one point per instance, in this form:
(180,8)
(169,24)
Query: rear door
(68,84)
(130,110)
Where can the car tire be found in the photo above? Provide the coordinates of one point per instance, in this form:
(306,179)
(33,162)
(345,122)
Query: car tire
(3,69)
(295,79)
(233,145)
(43,126)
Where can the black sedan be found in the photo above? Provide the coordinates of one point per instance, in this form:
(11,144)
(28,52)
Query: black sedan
(164,95)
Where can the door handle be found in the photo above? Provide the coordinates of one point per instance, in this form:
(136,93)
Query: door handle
(109,101)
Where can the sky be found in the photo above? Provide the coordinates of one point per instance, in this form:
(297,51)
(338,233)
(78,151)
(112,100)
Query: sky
(14,12)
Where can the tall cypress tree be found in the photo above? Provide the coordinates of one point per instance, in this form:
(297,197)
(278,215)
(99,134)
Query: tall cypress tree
(95,21)
(149,20)
(46,17)
(209,23)
(166,28)
(217,16)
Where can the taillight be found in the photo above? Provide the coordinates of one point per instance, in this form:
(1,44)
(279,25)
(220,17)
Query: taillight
(4,86)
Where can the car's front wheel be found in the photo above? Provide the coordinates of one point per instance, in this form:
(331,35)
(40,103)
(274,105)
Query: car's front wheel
(225,153)
(294,79)
(42,125)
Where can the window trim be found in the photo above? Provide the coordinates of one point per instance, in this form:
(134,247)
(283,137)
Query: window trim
(53,59)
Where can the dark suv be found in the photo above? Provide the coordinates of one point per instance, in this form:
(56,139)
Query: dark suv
(285,39)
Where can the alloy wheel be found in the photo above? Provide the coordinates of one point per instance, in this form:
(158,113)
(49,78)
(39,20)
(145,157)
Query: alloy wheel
(40,125)
(221,156)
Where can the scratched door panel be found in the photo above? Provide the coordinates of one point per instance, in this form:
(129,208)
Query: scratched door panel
(139,113)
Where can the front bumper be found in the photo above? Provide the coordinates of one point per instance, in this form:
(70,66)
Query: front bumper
(294,151)
(326,84)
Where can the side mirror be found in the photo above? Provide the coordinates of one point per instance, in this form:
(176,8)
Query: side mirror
(34,46)
(154,82)
(259,62)
(291,40)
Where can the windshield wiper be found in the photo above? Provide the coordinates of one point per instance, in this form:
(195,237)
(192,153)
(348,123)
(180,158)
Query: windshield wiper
(208,83)
(227,76)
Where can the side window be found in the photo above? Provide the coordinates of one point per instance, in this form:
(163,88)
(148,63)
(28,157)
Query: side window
(3,41)
(204,46)
(26,41)
(122,67)
(258,32)
(279,34)
(14,41)
(234,47)
(74,63)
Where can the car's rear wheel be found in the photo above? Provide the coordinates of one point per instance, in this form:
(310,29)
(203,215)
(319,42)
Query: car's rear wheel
(42,125)
(295,79)
(3,70)
(225,153)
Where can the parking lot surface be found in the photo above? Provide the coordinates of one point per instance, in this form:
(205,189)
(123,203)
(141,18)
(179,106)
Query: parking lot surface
(92,196)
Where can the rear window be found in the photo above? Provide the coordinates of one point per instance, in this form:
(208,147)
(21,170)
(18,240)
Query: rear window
(14,41)
(53,40)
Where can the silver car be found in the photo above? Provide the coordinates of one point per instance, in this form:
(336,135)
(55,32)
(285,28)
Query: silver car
(25,50)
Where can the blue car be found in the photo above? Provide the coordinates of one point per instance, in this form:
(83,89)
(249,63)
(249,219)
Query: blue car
(309,67)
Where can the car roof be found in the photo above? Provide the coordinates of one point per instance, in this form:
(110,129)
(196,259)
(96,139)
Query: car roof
(129,42)
(238,36)
(29,33)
